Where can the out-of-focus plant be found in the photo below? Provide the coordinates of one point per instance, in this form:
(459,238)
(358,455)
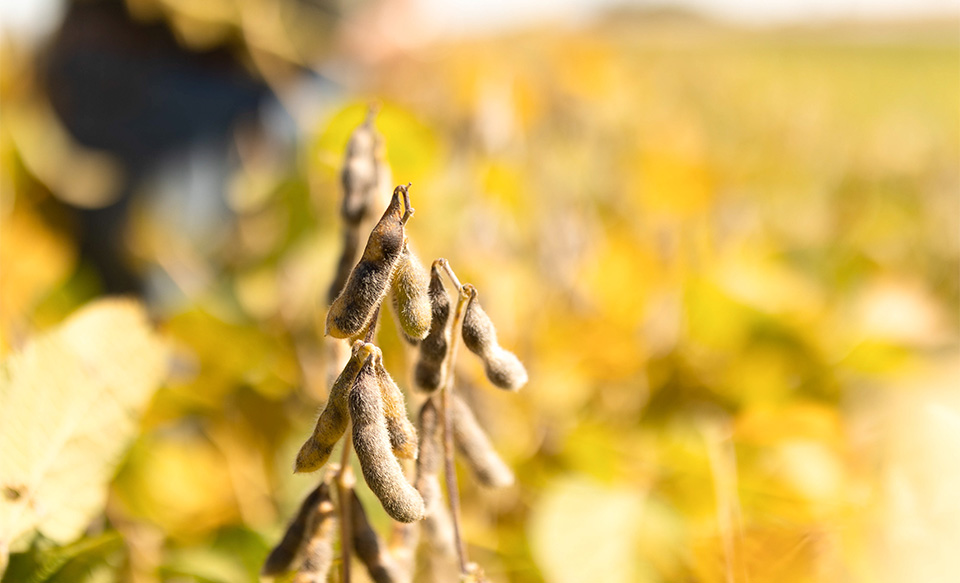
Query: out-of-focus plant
(70,402)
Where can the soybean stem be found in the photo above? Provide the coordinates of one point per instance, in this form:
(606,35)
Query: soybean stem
(345,483)
(453,494)
(372,327)
(453,276)
(407,209)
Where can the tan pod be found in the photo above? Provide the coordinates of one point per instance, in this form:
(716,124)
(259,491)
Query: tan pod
(403,435)
(371,440)
(428,372)
(291,547)
(333,420)
(369,280)
(502,367)
(411,299)
(475,447)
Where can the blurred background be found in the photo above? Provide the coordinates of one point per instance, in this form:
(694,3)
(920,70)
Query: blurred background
(722,235)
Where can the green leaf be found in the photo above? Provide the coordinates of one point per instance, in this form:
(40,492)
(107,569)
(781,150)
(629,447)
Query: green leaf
(70,403)
(80,561)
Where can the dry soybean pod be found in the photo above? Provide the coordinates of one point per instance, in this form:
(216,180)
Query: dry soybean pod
(403,436)
(281,558)
(475,447)
(437,525)
(503,368)
(371,440)
(348,257)
(411,299)
(428,372)
(350,313)
(369,547)
(318,554)
(360,172)
(333,420)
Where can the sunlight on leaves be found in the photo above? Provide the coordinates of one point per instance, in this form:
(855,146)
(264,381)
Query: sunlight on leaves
(70,403)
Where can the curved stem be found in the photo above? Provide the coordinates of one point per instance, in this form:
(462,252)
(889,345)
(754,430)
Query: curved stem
(449,270)
(345,483)
(446,387)
(372,326)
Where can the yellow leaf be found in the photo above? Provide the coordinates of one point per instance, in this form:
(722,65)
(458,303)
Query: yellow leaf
(70,402)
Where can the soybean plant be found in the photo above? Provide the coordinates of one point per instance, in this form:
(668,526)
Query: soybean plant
(366,399)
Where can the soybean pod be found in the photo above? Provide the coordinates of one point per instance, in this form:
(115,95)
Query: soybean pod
(475,447)
(403,436)
(369,280)
(371,440)
(502,367)
(370,548)
(281,559)
(437,524)
(411,296)
(428,373)
(318,554)
(333,420)
(361,174)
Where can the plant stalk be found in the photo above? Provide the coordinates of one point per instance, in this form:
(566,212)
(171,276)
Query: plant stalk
(345,483)
(446,387)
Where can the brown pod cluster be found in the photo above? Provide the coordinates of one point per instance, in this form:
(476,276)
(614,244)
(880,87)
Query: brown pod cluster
(333,420)
(370,278)
(428,372)
(370,548)
(403,435)
(437,525)
(411,300)
(318,554)
(290,548)
(381,470)
(503,368)
(475,447)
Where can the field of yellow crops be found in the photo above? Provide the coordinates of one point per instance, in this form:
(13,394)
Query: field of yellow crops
(729,258)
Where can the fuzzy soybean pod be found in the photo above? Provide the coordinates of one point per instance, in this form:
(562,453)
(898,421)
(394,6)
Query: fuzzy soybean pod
(428,372)
(437,525)
(318,554)
(475,447)
(411,299)
(370,548)
(381,470)
(282,557)
(368,282)
(333,420)
(348,257)
(360,174)
(503,368)
(403,436)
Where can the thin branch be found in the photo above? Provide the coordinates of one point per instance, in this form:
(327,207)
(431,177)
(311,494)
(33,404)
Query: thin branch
(345,483)
(449,270)
(446,387)
(372,327)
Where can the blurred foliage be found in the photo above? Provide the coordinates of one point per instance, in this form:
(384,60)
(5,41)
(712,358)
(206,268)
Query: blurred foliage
(728,257)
